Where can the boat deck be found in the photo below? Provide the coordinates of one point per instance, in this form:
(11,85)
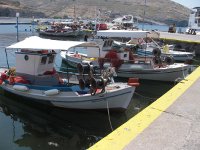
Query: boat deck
(171,122)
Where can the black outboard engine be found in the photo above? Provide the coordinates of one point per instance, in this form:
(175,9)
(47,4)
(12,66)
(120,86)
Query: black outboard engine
(97,83)
(84,68)
(92,82)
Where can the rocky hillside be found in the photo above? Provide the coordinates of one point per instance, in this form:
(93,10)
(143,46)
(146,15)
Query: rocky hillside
(165,11)
(9,9)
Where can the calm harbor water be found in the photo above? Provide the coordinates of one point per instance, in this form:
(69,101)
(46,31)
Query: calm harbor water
(25,125)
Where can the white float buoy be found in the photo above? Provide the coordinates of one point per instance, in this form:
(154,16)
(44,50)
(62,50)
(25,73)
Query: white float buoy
(51,92)
(20,87)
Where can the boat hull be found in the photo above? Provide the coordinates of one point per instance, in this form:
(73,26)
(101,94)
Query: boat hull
(169,73)
(114,98)
(177,56)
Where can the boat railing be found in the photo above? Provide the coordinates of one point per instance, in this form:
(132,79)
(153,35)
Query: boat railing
(72,75)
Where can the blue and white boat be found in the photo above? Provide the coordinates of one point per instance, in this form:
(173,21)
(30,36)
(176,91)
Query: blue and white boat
(36,79)
(149,49)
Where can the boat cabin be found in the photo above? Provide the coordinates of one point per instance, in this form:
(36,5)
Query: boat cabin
(106,44)
(34,62)
(35,59)
(37,66)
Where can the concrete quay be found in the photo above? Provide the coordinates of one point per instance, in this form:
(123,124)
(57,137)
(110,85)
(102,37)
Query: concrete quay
(180,37)
(172,122)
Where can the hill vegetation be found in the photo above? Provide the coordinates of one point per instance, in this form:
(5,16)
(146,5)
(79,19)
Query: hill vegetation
(165,11)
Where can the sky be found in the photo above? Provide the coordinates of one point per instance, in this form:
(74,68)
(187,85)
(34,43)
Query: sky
(189,3)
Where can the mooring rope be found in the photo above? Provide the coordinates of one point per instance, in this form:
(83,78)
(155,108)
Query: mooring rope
(109,116)
(150,98)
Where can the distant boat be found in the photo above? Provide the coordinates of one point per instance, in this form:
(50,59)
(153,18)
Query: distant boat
(125,22)
(62,29)
(36,79)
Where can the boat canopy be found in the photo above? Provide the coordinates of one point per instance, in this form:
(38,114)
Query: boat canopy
(122,33)
(36,43)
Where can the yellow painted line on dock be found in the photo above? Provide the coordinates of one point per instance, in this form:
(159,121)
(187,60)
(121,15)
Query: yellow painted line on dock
(123,135)
(184,41)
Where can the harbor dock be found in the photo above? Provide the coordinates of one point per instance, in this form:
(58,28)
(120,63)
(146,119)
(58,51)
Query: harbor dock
(171,122)
(180,37)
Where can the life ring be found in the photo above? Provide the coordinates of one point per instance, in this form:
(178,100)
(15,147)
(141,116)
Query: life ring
(156,52)
(140,41)
(169,60)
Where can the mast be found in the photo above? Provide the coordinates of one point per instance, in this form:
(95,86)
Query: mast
(145,4)
(74,11)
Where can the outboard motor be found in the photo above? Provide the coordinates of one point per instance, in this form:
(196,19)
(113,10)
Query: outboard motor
(97,83)
(84,68)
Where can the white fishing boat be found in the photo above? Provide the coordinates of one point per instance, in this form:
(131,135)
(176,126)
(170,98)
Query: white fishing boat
(149,49)
(61,33)
(128,64)
(125,22)
(36,79)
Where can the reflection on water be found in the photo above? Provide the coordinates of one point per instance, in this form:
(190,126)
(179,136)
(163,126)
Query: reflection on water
(37,126)
(45,127)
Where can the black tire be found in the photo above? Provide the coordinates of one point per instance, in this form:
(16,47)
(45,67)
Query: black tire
(157,61)
(169,60)
(156,52)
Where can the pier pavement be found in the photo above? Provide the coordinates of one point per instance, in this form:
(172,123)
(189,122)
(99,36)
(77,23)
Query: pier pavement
(180,37)
(172,122)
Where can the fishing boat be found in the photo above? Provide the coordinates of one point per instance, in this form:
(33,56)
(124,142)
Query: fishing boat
(62,29)
(35,78)
(126,62)
(125,22)
(149,49)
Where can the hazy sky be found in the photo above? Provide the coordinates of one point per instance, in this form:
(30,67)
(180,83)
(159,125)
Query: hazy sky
(189,3)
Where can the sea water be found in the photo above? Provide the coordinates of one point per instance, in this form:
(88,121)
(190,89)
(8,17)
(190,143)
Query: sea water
(25,125)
